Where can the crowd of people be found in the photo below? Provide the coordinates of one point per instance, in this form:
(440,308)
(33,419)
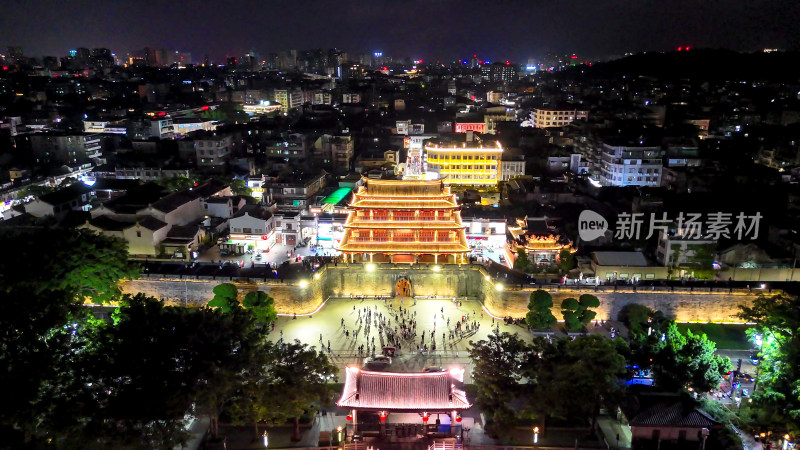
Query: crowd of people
(395,326)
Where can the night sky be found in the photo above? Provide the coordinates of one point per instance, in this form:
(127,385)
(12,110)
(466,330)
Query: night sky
(431,29)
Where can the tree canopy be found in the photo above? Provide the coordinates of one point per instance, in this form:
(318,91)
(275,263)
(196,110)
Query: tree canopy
(577,313)
(497,364)
(539,312)
(776,400)
(80,262)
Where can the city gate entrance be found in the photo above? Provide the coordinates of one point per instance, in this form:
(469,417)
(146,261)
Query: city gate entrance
(402,288)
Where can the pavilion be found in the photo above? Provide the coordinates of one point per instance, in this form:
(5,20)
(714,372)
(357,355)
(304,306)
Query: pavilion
(404,221)
(384,393)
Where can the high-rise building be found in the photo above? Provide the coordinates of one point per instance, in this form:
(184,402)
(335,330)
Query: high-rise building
(404,222)
(500,72)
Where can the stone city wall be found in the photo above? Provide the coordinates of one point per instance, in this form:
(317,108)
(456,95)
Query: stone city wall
(306,295)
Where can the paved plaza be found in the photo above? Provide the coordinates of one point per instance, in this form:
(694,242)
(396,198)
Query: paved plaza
(340,316)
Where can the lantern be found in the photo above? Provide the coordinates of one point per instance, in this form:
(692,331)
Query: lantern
(425,417)
(382,416)
(349,417)
(458,418)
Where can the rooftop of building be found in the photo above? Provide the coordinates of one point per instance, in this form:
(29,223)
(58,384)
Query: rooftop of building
(401,391)
(622,259)
(174,201)
(402,188)
(253,211)
(66,194)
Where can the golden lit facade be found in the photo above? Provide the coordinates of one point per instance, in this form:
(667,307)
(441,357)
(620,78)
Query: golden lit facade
(541,248)
(404,221)
(465,164)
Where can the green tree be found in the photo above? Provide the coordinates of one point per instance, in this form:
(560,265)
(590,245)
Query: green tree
(176,183)
(776,398)
(497,370)
(34,190)
(567,260)
(539,310)
(522,263)
(577,313)
(84,263)
(37,346)
(688,360)
(262,306)
(299,377)
(225,297)
(581,375)
(239,187)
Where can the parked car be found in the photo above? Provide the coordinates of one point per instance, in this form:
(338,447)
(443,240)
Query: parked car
(377,361)
(432,369)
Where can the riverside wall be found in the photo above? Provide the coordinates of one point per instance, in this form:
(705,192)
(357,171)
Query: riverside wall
(303,296)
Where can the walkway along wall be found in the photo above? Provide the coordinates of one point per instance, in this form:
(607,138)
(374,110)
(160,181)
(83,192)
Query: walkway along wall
(306,295)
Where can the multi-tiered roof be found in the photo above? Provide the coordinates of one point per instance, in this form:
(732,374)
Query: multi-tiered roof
(415,217)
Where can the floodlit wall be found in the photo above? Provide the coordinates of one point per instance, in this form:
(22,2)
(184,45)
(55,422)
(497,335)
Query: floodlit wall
(305,296)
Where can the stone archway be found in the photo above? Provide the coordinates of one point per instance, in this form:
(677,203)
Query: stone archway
(403,288)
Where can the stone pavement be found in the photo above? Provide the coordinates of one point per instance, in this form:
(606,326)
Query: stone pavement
(340,315)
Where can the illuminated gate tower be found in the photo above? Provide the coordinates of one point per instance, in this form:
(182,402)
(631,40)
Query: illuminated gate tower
(404,221)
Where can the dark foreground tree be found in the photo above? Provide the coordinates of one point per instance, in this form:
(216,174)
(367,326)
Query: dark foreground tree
(497,369)
(81,262)
(299,375)
(581,375)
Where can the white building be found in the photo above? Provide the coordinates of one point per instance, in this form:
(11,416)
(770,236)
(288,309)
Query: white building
(511,168)
(252,226)
(162,128)
(630,166)
(186,125)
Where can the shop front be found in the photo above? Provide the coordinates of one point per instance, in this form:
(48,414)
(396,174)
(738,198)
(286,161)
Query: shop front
(239,243)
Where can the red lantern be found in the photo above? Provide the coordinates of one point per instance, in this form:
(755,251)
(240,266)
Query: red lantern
(425,418)
(349,417)
(458,419)
(383,417)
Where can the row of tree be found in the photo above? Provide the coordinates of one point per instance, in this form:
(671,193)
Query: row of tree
(577,313)
(136,378)
(575,377)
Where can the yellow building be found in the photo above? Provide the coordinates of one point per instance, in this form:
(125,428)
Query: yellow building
(465,164)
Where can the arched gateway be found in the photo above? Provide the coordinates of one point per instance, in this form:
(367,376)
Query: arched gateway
(402,288)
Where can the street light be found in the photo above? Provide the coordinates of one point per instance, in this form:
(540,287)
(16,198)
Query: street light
(785,441)
(303,284)
(339,435)
(499,287)
(536,436)
(266,439)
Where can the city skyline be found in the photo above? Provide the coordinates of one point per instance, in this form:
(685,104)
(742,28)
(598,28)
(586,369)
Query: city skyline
(509,30)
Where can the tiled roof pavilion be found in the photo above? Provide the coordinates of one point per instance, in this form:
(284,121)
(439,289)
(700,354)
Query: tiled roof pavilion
(401,392)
